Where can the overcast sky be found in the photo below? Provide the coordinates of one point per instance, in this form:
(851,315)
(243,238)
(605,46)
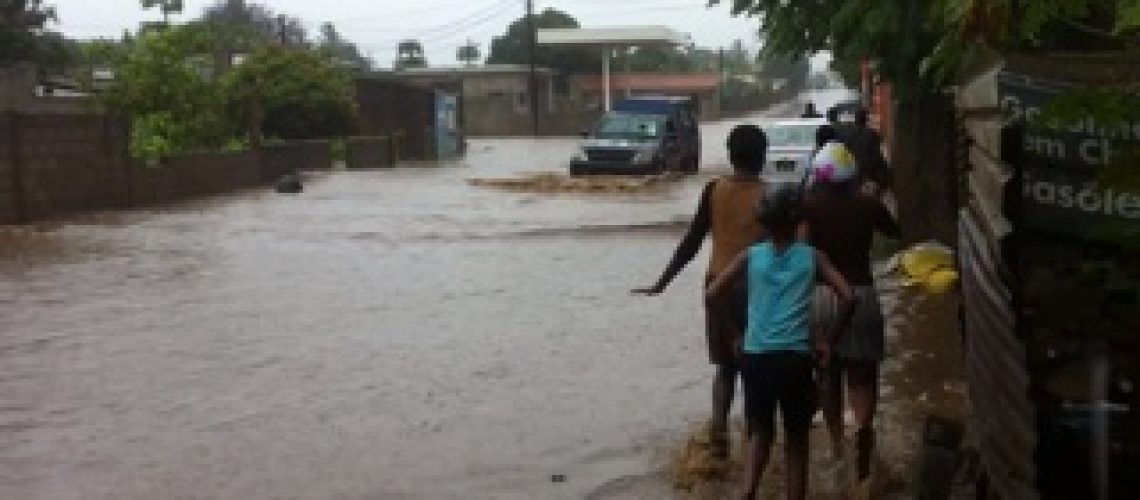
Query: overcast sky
(442,25)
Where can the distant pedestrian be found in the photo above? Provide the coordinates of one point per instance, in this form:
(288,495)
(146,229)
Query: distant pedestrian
(867,146)
(777,361)
(725,213)
(840,222)
(810,111)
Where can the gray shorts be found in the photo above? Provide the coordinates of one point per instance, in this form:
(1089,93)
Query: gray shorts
(863,340)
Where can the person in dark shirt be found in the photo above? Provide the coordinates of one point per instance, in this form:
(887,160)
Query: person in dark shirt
(810,111)
(726,214)
(867,146)
(840,221)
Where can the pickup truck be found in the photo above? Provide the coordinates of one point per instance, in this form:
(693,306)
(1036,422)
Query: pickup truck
(642,136)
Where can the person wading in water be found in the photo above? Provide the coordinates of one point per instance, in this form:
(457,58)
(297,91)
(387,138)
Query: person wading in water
(726,213)
(840,221)
(777,361)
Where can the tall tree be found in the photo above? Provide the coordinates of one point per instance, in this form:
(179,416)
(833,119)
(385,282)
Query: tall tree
(23,35)
(512,46)
(301,94)
(790,70)
(468,53)
(410,54)
(164,86)
(340,49)
(167,7)
(258,21)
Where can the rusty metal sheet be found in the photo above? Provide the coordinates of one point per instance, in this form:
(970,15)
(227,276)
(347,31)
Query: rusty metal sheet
(996,366)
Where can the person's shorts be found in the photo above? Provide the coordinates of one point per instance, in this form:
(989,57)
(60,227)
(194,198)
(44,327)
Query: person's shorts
(784,379)
(863,340)
(723,333)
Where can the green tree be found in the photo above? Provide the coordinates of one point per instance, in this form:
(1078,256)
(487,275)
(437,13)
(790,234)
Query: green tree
(513,47)
(167,7)
(301,94)
(24,35)
(791,71)
(254,24)
(468,53)
(410,54)
(164,85)
(344,52)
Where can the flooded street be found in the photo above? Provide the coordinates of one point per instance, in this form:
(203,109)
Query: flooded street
(387,334)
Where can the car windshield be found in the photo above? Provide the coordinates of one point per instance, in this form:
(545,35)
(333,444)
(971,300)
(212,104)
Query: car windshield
(791,135)
(630,126)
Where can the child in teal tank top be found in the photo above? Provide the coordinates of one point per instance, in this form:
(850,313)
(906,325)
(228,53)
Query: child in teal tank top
(777,362)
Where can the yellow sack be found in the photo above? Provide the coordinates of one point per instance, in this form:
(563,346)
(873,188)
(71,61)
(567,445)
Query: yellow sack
(929,267)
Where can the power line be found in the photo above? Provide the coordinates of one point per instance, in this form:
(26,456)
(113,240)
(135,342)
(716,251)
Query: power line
(391,15)
(492,9)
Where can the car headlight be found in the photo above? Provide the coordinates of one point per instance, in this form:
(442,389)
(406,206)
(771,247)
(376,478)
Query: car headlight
(643,156)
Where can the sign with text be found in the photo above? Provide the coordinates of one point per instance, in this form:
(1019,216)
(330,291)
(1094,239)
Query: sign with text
(1062,190)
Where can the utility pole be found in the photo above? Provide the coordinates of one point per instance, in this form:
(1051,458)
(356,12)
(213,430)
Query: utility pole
(532,41)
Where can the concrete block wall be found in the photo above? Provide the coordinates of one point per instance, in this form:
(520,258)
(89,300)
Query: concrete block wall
(59,163)
(55,164)
(391,108)
(283,158)
(369,152)
(191,176)
(9,204)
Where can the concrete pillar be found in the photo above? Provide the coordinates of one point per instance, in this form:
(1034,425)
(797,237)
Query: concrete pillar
(606,79)
(550,93)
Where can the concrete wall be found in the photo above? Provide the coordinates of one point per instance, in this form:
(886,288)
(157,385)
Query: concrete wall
(193,175)
(369,152)
(57,163)
(391,108)
(499,117)
(282,158)
(54,164)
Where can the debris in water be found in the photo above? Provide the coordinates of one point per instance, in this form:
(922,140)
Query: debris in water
(695,462)
(559,183)
(558,478)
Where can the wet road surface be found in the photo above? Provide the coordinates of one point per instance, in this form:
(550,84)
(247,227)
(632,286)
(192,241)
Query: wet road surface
(387,334)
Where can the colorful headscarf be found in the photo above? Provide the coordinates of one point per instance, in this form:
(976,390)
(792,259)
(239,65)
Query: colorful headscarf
(833,164)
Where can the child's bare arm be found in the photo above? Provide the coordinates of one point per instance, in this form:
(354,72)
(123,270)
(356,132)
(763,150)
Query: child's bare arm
(842,291)
(688,247)
(722,283)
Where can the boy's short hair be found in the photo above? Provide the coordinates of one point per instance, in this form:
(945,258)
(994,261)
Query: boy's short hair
(825,134)
(781,209)
(833,115)
(747,148)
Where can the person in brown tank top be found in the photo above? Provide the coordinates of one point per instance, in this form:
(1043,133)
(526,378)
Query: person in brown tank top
(726,213)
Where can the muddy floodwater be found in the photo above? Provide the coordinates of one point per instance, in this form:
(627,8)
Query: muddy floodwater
(398,333)
(387,334)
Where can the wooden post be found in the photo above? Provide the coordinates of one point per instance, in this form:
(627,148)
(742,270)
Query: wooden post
(19,213)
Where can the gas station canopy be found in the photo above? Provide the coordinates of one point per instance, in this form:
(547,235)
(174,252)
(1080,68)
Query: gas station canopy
(608,39)
(618,36)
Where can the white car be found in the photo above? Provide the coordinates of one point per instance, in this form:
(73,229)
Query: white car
(790,144)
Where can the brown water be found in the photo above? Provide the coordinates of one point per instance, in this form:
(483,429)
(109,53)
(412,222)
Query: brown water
(387,334)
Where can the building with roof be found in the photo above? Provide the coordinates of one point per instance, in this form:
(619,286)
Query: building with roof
(702,87)
(496,98)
